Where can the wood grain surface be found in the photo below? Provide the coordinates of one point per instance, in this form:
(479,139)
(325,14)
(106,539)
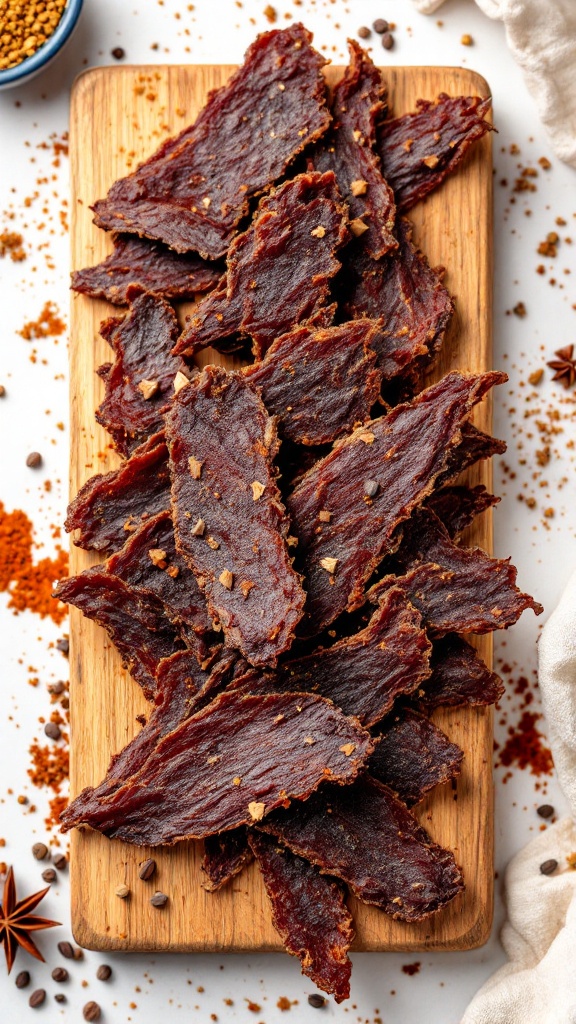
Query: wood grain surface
(118,117)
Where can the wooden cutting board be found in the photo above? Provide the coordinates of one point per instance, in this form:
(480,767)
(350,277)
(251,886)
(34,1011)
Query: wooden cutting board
(118,117)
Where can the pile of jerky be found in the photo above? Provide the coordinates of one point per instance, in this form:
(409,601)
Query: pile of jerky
(283,572)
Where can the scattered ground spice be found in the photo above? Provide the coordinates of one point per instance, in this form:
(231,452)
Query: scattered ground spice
(29,584)
(50,766)
(411,969)
(467,40)
(48,325)
(57,806)
(11,242)
(525,747)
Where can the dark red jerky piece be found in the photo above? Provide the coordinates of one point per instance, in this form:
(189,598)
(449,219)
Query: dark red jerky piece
(228,765)
(474,447)
(404,452)
(458,507)
(196,188)
(365,836)
(408,294)
(319,383)
(110,506)
(219,422)
(420,149)
(137,625)
(309,912)
(456,589)
(414,755)
(365,673)
(139,265)
(357,104)
(142,342)
(278,271)
(459,676)
(140,565)
(225,856)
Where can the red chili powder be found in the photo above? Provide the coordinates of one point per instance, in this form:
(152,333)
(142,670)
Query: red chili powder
(48,324)
(524,747)
(29,584)
(50,766)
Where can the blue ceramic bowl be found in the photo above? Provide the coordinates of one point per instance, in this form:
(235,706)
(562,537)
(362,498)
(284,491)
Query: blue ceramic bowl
(30,66)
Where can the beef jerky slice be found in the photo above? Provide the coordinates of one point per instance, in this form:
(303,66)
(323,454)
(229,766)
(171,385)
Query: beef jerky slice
(150,565)
(343,533)
(365,836)
(414,755)
(229,765)
(139,265)
(357,104)
(474,447)
(108,507)
(225,856)
(419,149)
(319,383)
(278,271)
(459,676)
(137,625)
(408,294)
(458,507)
(310,913)
(140,382)
(229,522)
(365,673)
(193,192)
(456,589)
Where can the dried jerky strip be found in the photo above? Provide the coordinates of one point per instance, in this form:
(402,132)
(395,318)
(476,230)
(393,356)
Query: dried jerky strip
(408,294)
(310,913)
(458,507)
(278,271)
(110,506)
(194,191)
(365,836)
(139,265)
(418,150)
(365,673)
(344,532)
(413,756)
(225,856)
(229,522)
(140,382)
(459,676)
(319,383)
(229,765)
(461,590)
(137,626)
(150,565)
(357,104)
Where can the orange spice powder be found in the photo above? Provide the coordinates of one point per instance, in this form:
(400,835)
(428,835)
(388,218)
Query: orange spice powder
(29,584)
(50,766)
(48,324)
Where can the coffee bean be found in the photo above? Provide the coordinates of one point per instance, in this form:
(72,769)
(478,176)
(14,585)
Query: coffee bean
(60,862)
(364,32)
(60,974)
(40,851)
(388,41)
(548,867)
(78,953)
(147,870)
(66,949)
(118,53)
(380,26)
(49,876)
(34,460)
(91,1011)
(316,1000)
(545,810)
(371,488)
(22,979)
(52,731)
(104,972)
(60,997)
(37,998)
(159,899)
(2,391)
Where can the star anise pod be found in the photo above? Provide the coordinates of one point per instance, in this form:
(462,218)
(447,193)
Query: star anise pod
(564,365)
(16,921)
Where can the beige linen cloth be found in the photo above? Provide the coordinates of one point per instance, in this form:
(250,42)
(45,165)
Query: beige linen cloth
(538,984)
(541,35)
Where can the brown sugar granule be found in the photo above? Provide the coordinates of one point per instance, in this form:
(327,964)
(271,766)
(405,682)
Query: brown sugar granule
(525,748)
(11,242)
(467,40)
(50,766)
(48,325)
(270,14)
(283,1003)
(29,584)
(549,247)
(544,163)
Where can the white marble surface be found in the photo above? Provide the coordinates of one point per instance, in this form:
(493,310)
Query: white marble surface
(145,988)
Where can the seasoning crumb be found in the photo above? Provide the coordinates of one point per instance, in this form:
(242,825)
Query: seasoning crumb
(195,468)
(148,388)
(358,227)
(198,528)
(324,516)
(467,40)
(256,810)
(257,489)
(347,748)
(359,187)
(180,381)
(270,14)
(226,578)
(519,310)
(329,564)
(318,232)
